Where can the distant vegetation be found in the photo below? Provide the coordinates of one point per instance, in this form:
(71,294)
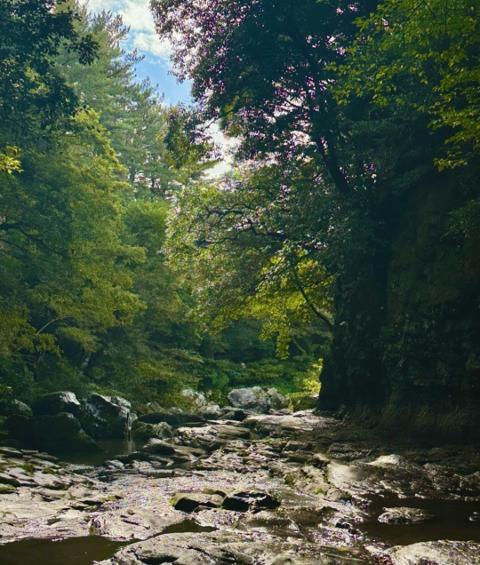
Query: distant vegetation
(97,291)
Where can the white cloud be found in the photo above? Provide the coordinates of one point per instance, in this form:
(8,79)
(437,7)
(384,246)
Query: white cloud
(151,43)
(226,146)
(137,16)
(99,5)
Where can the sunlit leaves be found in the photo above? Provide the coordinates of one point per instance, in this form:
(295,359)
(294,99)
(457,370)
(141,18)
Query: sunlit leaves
(246,254)
(10,160)
(422,56)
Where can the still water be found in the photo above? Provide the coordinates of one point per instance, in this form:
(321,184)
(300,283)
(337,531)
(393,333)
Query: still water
(110,448)
(451,520)
(73,551)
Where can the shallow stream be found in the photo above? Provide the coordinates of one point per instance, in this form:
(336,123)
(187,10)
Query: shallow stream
(72,551)
(451,519)
(330,488)
(110,448)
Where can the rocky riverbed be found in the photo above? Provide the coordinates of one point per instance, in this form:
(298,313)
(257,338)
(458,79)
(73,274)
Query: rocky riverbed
(246,488)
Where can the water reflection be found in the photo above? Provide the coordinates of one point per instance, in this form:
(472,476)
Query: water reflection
(451,520)
(73,551)
(110,448)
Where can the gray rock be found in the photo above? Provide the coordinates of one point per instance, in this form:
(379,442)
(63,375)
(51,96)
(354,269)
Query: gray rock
(62,433)
(105,417)
(276,400)
(159,447)
(253,398)
(11,452)
(119,401)
(404,515)
(443,552)
(212,436)
(144,431)
(175,418)
(56,402)
(188,502)
(15,408)
(7,479)
(218,547)
(115,464)
(243,501)
(195,398)
(257,399)
(212,412)
(229,432)
(282,424)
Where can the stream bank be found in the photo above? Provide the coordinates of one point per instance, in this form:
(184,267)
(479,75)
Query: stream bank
(270,489)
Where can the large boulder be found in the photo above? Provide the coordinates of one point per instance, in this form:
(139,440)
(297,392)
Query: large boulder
(56,402)
(199,405)
(194,398)
(62,433)
(18,423)
(15,407)
(212,412)
(105,417)
(440,552)
(174,417)
(144,431)
(257,399)
(277,401)
(19,428)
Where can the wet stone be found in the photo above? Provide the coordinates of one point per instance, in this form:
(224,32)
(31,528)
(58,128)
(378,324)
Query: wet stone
(192,501)
(474,517)
(212,494)
(443,552)
(243,501)
(404,515)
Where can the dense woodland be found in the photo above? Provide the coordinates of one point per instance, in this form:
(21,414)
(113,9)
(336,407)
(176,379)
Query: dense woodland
(93,167)
(346,234)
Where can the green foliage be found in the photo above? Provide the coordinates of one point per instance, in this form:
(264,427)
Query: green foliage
(130,111)
(125,269)
(89,299)
(422,57)
(62,279)
(349,116)
(33,94)
(296,377)
(244,257)
(189,150)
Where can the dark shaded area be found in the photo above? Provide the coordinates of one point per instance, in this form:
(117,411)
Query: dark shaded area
(405,352)
(74,551)
(452,519)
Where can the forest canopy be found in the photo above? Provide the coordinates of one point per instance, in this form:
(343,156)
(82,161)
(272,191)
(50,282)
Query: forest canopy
(128,267)
(96,294)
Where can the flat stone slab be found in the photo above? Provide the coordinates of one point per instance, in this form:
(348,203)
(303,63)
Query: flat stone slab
(443,552)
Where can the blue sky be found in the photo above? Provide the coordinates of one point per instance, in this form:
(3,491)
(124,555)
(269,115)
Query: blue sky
(156,64)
